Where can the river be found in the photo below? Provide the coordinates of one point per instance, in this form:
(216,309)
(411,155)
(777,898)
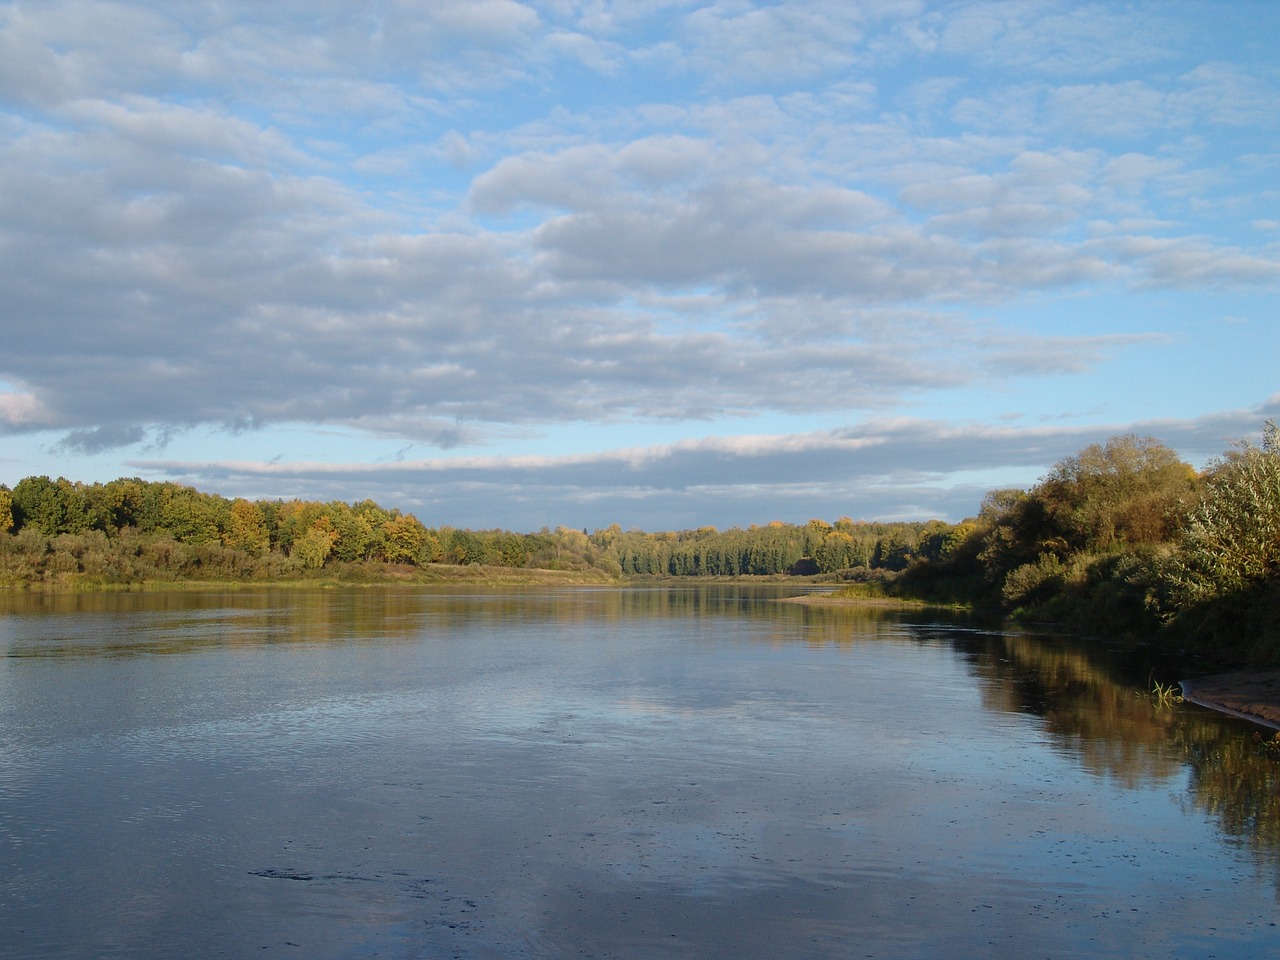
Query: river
(598,772)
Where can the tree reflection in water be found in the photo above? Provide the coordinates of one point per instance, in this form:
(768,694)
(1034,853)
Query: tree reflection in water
(1095,708)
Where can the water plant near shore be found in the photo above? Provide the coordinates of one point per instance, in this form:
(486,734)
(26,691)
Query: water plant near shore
(1166,695)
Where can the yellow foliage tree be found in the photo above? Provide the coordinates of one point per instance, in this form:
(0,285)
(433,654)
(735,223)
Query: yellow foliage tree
(406,540)
(247,529)
(315,544)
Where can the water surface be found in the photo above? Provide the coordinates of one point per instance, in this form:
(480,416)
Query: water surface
(697,772)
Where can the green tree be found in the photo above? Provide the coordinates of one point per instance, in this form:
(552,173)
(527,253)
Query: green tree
(835,552)
(315,544)
(118,504)
(815,532)
(49,506)
(190,516)
(6,509)
(896,550)
(1017,531)
(1130,490)
(1224,582)
(355,532)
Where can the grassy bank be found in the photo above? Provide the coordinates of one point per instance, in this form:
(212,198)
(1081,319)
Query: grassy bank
(330,576)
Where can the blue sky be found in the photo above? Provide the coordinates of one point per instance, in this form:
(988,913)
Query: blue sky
(659,263)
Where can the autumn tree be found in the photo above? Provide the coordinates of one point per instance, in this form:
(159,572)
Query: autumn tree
(313,546)
(247,528)
(1129,490)
(293,518)
(406,540)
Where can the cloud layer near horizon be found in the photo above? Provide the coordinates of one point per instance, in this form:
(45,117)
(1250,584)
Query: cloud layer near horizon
(461,224)
(710,481)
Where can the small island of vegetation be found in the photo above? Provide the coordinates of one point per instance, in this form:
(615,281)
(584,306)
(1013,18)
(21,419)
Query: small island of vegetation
(1122,539)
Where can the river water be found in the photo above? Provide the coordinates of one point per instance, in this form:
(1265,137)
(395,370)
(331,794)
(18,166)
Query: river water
(700,772)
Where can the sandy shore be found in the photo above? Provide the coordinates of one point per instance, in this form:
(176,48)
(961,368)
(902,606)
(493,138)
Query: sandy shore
(1254,696)
(888,603)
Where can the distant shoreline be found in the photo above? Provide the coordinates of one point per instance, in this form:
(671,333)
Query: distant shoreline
(388,576)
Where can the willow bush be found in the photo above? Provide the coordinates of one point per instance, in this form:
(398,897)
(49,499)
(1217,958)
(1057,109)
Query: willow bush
(1221,587)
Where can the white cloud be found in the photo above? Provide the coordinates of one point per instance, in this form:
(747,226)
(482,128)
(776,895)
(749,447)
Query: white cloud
(1189,262)
(786,43)
(1051,37)
(71,49)
(23,411)
(176,129)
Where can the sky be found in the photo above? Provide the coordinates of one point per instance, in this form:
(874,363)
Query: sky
(660,263)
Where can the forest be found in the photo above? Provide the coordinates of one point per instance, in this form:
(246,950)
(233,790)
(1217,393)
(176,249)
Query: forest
(1122,538)
(132,530)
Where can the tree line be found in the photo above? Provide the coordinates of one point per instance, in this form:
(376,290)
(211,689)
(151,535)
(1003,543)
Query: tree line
(131,529)
(776,548)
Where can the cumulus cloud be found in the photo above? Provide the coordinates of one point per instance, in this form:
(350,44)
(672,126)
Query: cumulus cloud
(103,438)
(20,410)
(1192,262)
(228,294)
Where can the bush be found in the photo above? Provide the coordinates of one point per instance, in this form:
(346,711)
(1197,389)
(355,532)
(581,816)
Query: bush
(1221,587)
(1033,583)
(1232,538)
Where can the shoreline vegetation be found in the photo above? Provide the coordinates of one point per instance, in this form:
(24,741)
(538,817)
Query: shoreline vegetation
(1122,540)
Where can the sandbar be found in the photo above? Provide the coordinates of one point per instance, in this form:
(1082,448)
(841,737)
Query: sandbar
(1253,695)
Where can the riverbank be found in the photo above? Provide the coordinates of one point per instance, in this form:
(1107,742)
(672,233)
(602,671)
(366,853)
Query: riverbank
(845,597)
(1253,695)
(345,575)
(827,600)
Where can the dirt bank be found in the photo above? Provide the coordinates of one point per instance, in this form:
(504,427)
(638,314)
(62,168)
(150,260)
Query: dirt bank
(1252,695)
